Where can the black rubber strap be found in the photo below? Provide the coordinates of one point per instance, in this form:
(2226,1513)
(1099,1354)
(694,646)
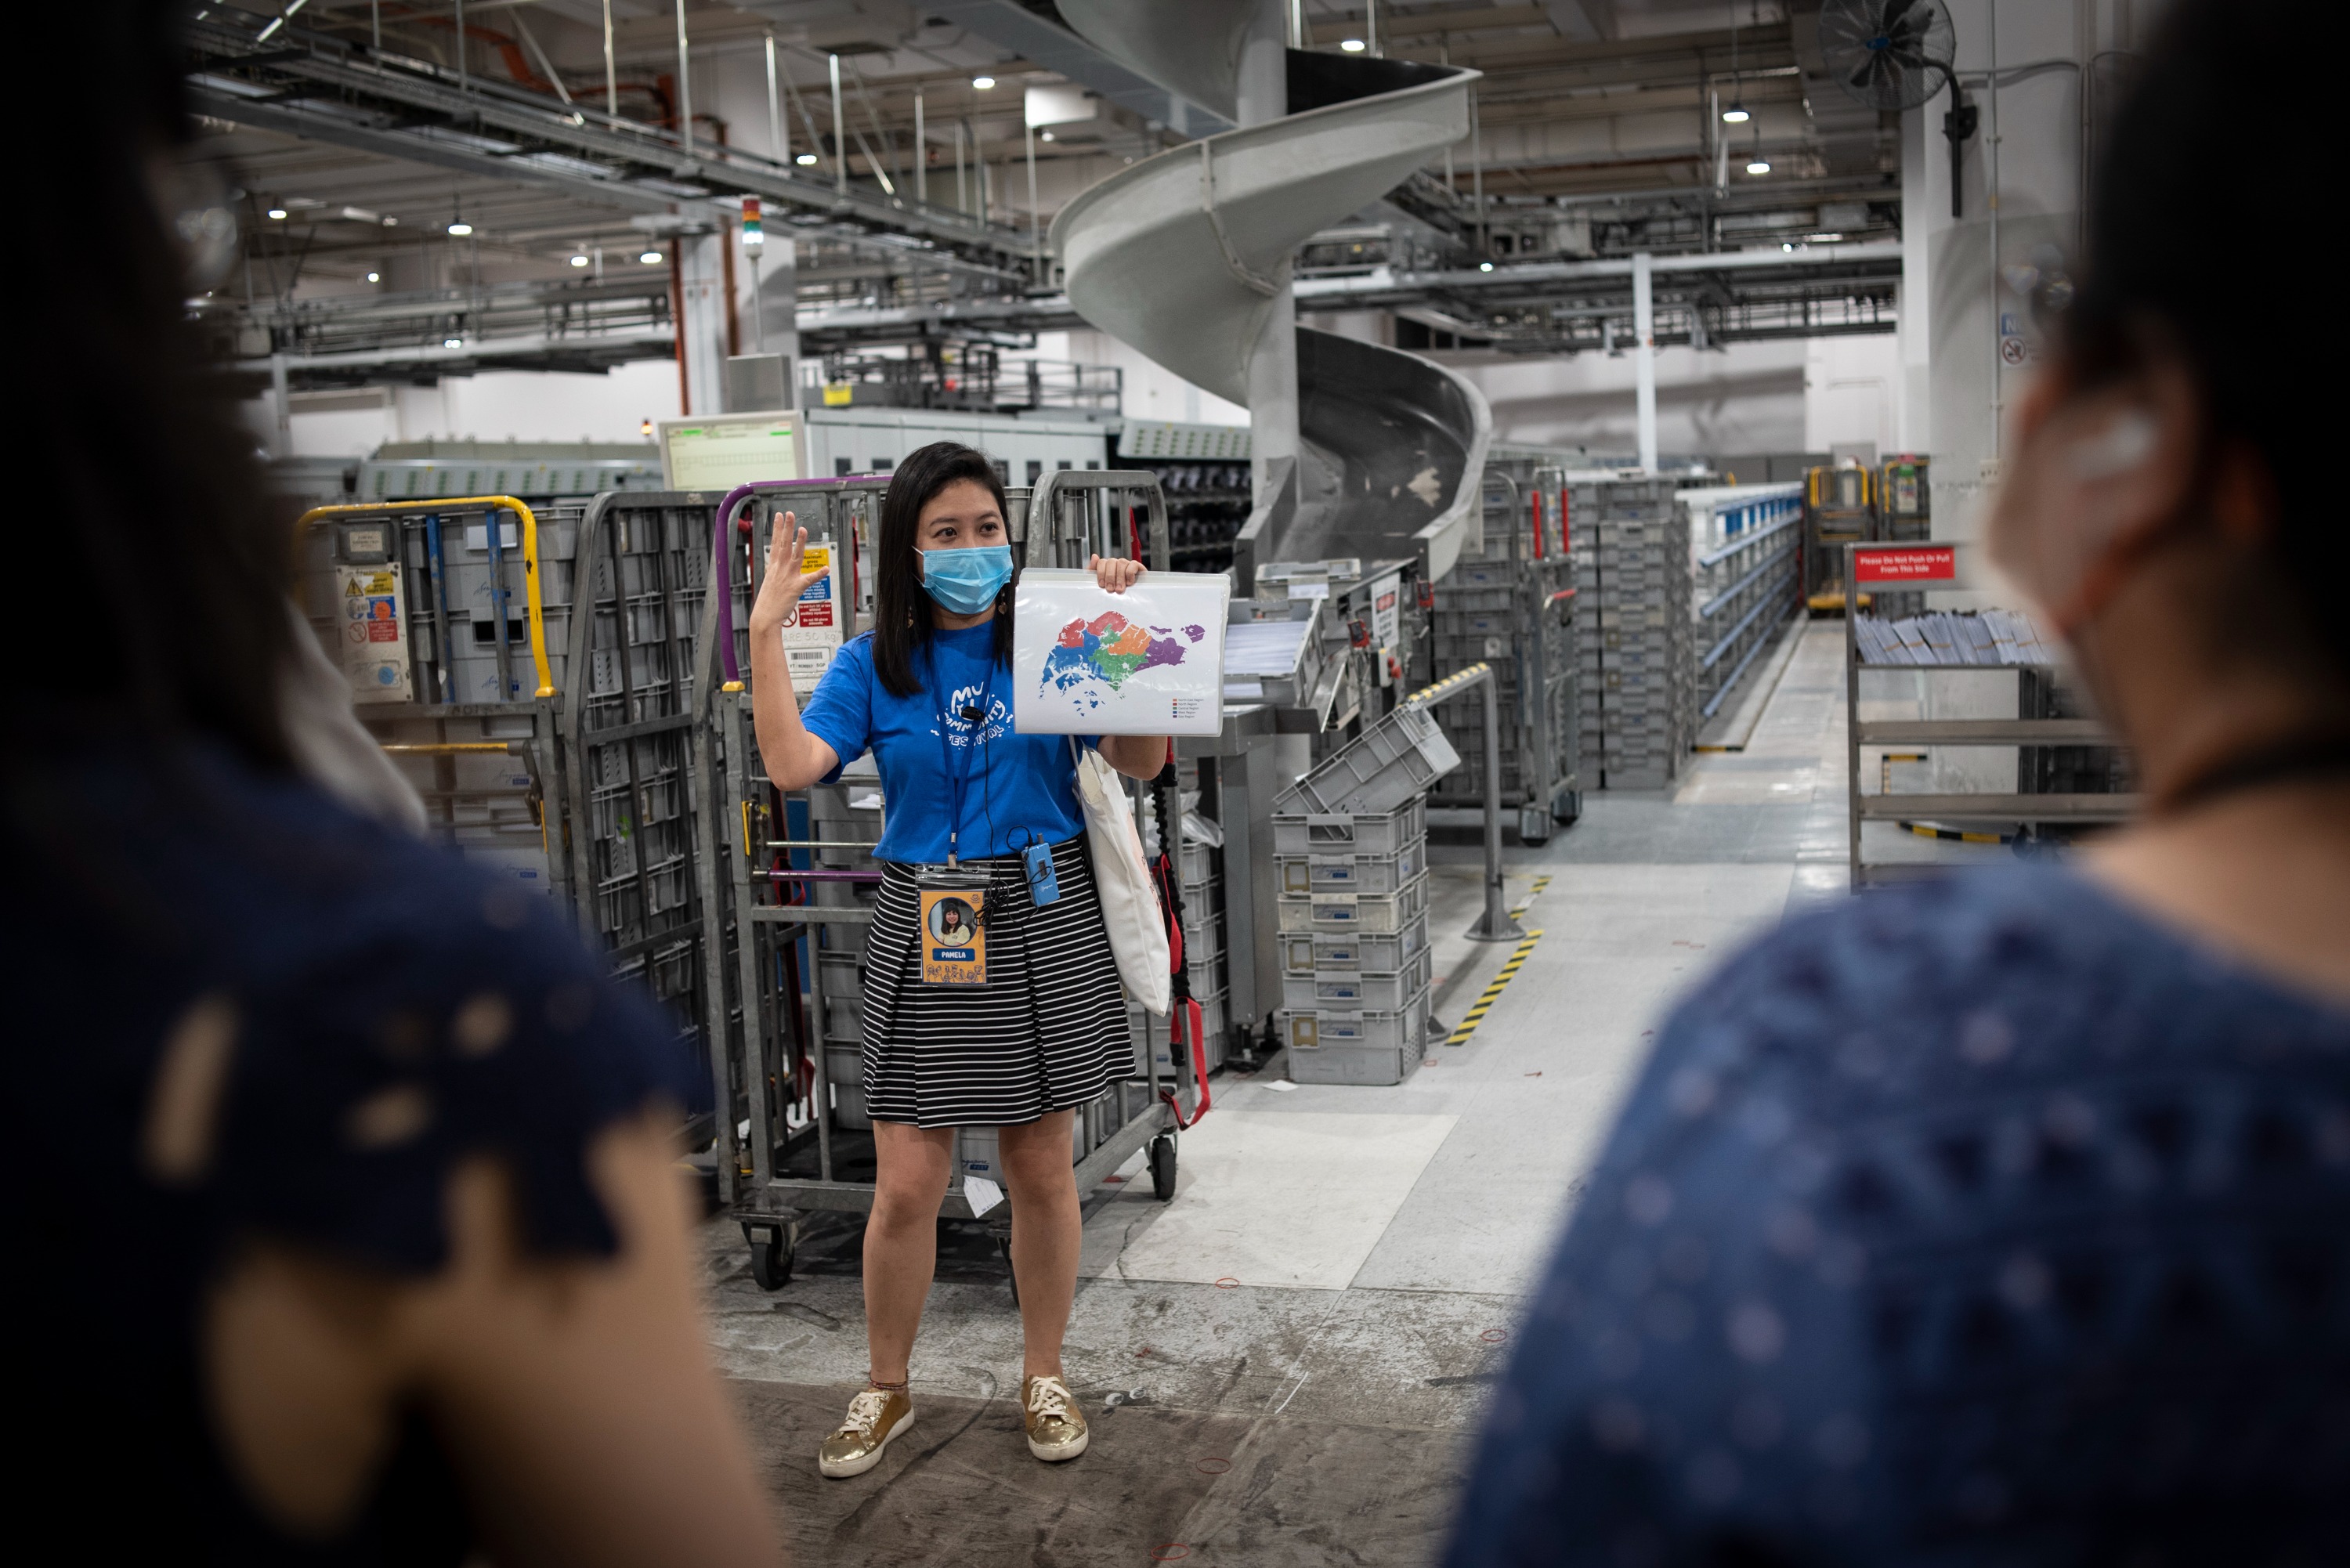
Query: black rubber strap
(2293,757)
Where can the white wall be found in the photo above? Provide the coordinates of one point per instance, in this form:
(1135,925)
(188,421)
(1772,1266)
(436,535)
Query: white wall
(1746,398)
(526,405)
(1851,393)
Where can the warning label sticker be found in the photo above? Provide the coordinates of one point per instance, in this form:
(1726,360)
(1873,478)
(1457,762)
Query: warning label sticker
(812,635)
(1919,563)
(375,633)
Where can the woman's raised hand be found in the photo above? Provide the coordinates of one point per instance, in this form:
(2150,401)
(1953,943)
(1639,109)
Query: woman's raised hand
(1113,573)
(787,577)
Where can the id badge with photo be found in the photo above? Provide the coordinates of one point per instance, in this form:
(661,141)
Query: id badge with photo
(953,903)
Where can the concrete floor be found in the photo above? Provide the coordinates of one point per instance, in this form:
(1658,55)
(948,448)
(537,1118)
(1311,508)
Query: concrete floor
(1285,1363)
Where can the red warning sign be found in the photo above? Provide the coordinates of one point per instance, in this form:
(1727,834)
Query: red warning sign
(383,621)
(813,613)
(1918,564)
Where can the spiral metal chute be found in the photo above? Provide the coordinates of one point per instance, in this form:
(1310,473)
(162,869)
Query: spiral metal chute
(1182,256)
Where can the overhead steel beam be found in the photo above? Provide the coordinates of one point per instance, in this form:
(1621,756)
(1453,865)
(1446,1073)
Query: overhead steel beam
(310,125)
(653,162)
(1056,48)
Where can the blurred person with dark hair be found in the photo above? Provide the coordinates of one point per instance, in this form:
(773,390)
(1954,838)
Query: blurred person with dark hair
(344,1218)
(2006,1219)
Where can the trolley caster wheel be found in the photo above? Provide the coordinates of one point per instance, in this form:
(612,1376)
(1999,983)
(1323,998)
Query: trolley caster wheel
(1534,826)
(1568,808)
(771,1254)
(1163,1168)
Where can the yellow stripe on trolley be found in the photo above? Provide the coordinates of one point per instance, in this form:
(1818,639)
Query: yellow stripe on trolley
(535,609)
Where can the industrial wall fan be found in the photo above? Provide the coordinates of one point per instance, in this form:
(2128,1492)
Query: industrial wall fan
(1889,54)
(1894,55)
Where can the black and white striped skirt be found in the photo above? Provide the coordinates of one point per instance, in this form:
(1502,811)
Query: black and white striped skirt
(1047,1032)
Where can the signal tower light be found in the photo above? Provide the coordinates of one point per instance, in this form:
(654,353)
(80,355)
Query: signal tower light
(754,235)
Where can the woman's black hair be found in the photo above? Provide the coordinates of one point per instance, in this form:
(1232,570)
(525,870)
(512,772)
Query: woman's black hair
(902,623)
(2222,132)
(147,511)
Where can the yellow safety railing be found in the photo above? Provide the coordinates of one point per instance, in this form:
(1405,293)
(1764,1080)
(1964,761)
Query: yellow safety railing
(535,615)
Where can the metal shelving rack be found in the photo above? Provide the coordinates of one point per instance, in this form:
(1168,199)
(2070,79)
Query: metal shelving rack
(1923,567)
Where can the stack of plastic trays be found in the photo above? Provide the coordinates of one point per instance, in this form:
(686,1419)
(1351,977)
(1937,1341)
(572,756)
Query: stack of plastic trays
(1199,871)
(1354,943)
(1637,657)
(1502,608)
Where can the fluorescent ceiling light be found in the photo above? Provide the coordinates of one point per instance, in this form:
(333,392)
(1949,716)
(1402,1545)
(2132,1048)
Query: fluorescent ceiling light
(579,261)
(1823,239)
(1484,266)
(651,258)
(452,343)
(1760,166)
(1048,136)
(461,228)
(375,277)
(983,83)
(806,160)
(1735,115)
(1352,46)
(278,213)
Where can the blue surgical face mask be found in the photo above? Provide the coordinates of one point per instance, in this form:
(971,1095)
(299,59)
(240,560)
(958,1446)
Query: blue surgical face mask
(965,582)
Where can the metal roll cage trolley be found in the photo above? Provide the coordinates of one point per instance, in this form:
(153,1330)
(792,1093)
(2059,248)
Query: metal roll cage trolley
(605,760)
(1884,570)
(409,539)
(791,900)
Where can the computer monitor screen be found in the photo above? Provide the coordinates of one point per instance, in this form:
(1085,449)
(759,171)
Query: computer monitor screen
(726,450)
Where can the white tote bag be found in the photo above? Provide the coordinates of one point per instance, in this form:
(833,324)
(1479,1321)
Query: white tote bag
(1129,904)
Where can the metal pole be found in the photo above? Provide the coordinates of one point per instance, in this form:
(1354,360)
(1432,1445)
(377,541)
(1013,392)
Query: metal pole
(779,141)
(1643,337)
(840,132)
(684,86)
(611,68)
(464,85)
(962,201)
(1495,924)
(1036,235)
(1371,29)
(375,24)
(281,405)
(921,154)
(758,307)
(1477,174)
(1991,171)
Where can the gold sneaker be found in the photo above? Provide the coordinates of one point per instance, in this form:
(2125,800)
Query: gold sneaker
(1055,1430)
(875,1417)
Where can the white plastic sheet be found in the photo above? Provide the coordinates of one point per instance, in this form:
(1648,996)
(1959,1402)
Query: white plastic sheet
(1149,661)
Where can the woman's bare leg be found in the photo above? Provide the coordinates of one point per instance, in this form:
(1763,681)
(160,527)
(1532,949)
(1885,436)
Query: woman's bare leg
(1046,1232)
(901,1239)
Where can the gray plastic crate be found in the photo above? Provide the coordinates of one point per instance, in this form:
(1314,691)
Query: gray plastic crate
(1370,952)
(1335,988)
(1358,833)
(1356,911)
(1393,760)
(1309,876)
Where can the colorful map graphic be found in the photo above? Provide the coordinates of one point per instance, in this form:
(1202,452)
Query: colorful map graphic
(1109,650)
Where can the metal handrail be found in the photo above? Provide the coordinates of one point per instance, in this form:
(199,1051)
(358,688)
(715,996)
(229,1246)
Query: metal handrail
(535,610)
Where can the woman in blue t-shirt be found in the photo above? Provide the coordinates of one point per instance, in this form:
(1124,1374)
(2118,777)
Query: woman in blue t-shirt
(927,692)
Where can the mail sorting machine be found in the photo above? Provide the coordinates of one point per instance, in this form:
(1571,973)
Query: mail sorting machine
(1511,604)
(794,870)
(451,619)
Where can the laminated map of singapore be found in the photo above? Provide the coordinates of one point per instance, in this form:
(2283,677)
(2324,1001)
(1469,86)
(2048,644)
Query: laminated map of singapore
(1149,661)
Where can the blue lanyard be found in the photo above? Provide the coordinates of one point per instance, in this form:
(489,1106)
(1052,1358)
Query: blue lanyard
(958,781)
